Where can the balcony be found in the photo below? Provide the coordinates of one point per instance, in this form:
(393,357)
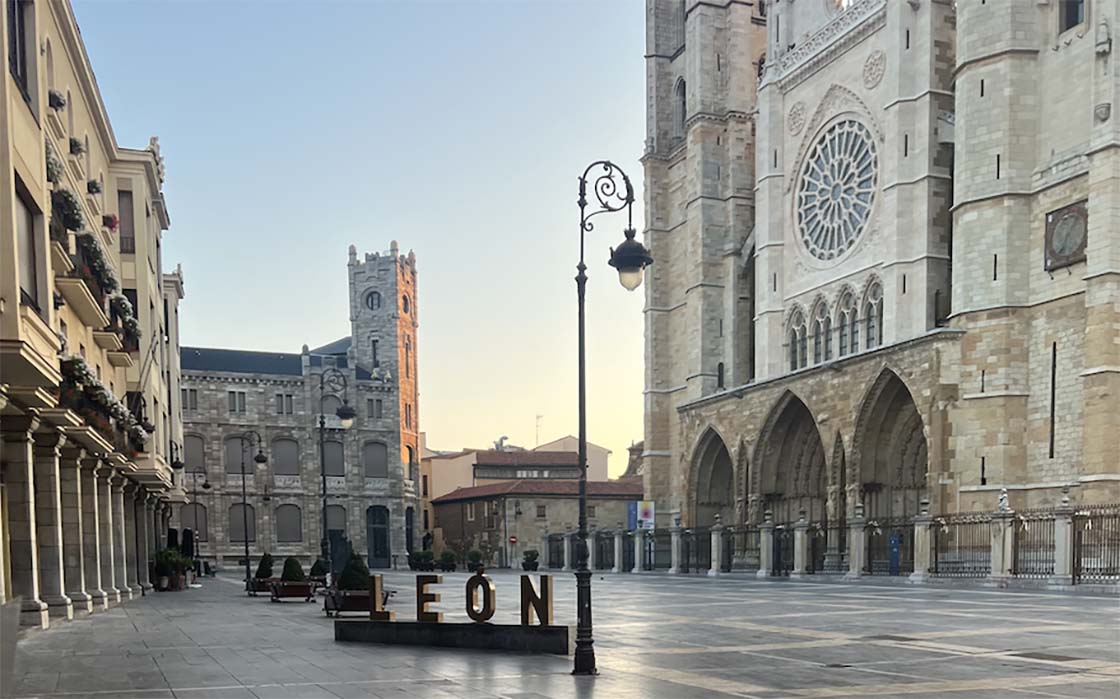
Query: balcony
(54,124)
(60,257)
(107,339)
(80,298)
(94,204)
(287,483)
(76,167)
(120,359)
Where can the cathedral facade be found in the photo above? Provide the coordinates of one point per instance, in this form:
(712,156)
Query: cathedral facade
(887,258)
(238,403)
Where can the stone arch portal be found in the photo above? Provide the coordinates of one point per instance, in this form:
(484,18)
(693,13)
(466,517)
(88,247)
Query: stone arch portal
(713,490)
(791,464)
(892,453)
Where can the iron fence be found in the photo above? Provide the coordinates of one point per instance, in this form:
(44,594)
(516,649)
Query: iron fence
(961,546)
(1033,544)
(816,540)
(783,550)
(836,538)
(556,551)
(658,550)
(604,550)
(890,547)
(1096,545)
(628,551)
(696,550)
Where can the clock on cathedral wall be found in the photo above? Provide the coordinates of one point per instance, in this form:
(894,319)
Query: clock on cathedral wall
(1066,231)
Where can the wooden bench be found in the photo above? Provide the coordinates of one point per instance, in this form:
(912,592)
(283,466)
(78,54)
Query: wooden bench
(292,590)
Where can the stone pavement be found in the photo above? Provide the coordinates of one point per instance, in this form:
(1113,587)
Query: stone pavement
(656,636)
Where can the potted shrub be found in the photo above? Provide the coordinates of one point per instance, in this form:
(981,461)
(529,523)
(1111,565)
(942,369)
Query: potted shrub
(164,569)
(262,579)
(66,207)
(293,582)
(93,186)
(530,561)
(54,165)
(318,572)
(352,593)
(427,560)
(474,558)
(56,100)
(110,221)
(447,561)
(76,146)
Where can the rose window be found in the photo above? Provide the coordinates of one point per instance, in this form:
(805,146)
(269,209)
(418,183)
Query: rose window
(837,189)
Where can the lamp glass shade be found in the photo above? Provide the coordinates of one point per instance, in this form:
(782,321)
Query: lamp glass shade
(630,278)
(260,457)
(347,422)
(346,415)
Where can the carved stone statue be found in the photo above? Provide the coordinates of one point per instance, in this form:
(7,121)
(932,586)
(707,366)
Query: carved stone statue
(1003,504)
(1104,37)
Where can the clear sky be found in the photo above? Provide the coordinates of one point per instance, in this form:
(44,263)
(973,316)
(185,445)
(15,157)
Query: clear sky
(293,129)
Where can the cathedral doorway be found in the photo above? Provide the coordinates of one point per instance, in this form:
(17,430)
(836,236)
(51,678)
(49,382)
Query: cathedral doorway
(791,465)
(377,536)
(713,483)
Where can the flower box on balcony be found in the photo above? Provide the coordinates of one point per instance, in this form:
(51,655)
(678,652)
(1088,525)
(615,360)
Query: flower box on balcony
(60,259)
(80,298)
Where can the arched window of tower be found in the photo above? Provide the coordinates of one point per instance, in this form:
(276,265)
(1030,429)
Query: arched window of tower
(873,315)
(373,301)
(680,110)
(404,303)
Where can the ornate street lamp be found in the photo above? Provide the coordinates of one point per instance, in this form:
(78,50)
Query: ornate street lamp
(333,380)
(613,192)
(194,508)
(249,437)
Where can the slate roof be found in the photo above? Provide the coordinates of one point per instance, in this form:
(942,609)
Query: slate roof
(629,489)
(490,457)
(339,346)
(240,361)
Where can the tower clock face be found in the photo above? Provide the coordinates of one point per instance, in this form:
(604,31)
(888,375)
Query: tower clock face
(1066,232)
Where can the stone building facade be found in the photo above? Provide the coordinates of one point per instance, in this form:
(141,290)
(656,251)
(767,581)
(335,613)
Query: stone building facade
(371,468)
(88,333)
(886,257)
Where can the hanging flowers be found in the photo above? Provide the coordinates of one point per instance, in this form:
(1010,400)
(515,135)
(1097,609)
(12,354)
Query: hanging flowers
(68,209)
(110,221)
(97,260)
(76,146)
(121,308)
(97,399)
(54,165)
(56,101)
(93,187)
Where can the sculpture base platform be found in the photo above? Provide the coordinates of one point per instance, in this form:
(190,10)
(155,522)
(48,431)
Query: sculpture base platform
(556,640)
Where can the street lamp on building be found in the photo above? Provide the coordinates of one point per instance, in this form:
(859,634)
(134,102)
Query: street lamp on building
(333,381)
(250,437)
(612,192)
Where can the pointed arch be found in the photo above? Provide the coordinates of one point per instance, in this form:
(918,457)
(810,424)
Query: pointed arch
(789,463)
(889,454)
(712,485)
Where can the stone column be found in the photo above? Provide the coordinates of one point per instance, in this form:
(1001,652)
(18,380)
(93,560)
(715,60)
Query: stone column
(140,524)
(1003,539)
(568,537)
(718,533)
(800,547)
(107,554)
(128,510)
(857,545)
(19,482)
(91,534)
(766,545)
(1063,542)
(48,524)
(619,545)
(639,550)
(73,529)
(922,526)
(121,545)
(675,546)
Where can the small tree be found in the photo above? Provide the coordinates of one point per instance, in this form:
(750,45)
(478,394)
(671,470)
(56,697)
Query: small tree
(355,576)
(530,561)
(293,571)
(319,568)
(475,558)
(264,570)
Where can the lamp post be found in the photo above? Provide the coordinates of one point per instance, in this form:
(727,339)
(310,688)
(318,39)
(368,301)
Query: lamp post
(248,437)
(612,192)
(194,502)
(333,380)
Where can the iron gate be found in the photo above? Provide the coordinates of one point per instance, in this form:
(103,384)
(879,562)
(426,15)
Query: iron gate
(658,550)
(783,550)
(961,546)
(890,547)
(556,551)
(604,551)
(1096,545)
(628,551)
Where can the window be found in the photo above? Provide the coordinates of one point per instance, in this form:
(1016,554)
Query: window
(426,527)
(289,525)
(374,408)
(873,312)
(240,518)
(239,453)
(194,454)
(333,462)
(797,342)
(28,250)
(719,375)
(404,303)
(1072,13)
(681,111)
(336,518)
(376,361)
(20,38)
(285,457)
(837,189)
(193,517)
(190,398)
(407,358)
(373,301)
(848,321)
(408,415)
(541,512)
(424,491)
(590,510)
(285,403)
(375,460)
(822,335)
(470,511)
(236,402)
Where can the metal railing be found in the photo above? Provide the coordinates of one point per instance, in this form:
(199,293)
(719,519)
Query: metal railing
(1096,545)
(658,548)
(961,546)
(890,547)
(1033,544)
(783,550)
(628,552)
(696,550)
(604,550)
(556,551)
(744,548)
(816,541)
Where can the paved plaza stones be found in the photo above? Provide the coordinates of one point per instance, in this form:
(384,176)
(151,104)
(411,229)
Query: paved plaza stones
(656,636)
